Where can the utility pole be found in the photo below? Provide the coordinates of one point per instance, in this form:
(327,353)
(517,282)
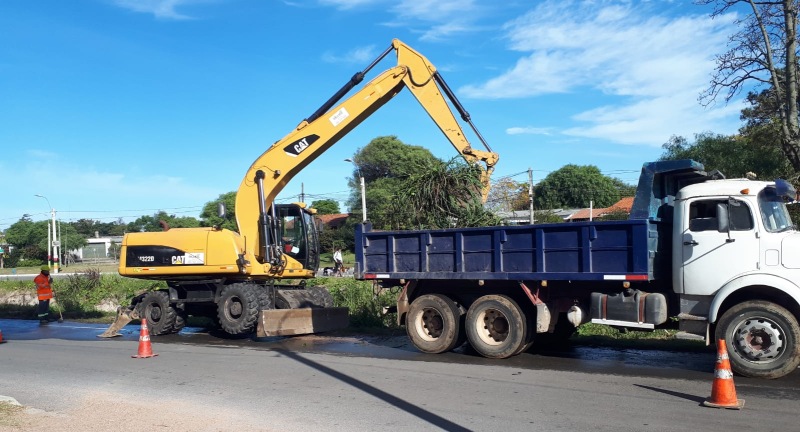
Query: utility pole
(530,193)
(302,193)
(52,241)
(363,191)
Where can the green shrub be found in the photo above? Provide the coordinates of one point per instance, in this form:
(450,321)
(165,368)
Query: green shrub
(364,301)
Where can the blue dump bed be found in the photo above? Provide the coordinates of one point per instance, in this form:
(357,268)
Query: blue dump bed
(612,250)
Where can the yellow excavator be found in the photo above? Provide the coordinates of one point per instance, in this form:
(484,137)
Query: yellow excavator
(242,280)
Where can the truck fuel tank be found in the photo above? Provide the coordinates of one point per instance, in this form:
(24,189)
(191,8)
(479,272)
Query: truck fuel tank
(631,308)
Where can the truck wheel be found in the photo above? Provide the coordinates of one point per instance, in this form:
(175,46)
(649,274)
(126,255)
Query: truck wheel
(238,308)
(433,324)
(496,326)
(761,338)
(160,315)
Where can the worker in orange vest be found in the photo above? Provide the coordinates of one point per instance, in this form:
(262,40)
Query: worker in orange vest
(45,293)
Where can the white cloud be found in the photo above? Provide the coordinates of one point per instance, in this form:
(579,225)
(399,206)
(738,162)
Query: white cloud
(652,66)
(348,4)
(162,9)
(528,130)
(357,55)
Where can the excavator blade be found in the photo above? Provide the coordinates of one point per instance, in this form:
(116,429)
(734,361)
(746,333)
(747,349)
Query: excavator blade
(124,316)
(288,322)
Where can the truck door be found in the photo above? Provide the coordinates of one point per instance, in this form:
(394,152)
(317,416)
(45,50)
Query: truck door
(719,243)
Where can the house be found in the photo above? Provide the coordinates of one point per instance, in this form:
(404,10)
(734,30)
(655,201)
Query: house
(97,249)
(330,221)
(624,205)
(523,217)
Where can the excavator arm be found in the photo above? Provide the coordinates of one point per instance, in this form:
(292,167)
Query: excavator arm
(273,170)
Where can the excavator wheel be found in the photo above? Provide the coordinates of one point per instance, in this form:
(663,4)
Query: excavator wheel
(321,296)
(159,313)
(238,308)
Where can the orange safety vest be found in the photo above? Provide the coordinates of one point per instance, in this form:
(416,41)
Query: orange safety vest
(43,287)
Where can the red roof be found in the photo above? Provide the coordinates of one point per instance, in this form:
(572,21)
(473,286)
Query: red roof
(332,220)
(623,205)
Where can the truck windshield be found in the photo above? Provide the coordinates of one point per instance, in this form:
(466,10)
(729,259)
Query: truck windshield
(773,211)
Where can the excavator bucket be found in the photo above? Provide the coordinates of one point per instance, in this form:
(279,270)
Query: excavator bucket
(288,322)
(124,316)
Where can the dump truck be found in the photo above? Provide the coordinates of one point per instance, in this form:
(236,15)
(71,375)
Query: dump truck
(719,256)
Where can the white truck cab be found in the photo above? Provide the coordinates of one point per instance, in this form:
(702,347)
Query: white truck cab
(736,267)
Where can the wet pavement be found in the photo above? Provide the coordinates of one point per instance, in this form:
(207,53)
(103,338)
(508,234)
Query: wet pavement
(576,358)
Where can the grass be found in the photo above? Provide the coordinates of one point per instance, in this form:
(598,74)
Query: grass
(7,410)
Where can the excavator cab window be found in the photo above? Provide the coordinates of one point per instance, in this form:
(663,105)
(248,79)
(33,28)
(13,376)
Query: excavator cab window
(298,235)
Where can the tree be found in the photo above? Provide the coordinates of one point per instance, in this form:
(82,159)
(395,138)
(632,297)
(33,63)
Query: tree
(210,213)
(326,206)
(574,186)
(29,237)
(406,186)
(443,195)
(153,223)
(763,52)
(733,156)
(384,163)
(508,195)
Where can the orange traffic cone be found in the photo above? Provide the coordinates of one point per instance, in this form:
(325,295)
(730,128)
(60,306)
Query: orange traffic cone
(1,337)
(145,350)
(723,392)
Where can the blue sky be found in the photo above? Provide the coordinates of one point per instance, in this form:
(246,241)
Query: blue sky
(118,108)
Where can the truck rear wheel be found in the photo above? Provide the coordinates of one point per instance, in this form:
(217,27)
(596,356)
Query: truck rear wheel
(238,308)
(433,324)
(496,326)
(159,313)
(761,338)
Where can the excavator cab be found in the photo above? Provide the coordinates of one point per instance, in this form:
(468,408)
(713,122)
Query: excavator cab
(298,233)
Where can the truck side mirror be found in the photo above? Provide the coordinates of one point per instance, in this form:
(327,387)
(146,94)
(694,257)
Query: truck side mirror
(723,218)
(221,209)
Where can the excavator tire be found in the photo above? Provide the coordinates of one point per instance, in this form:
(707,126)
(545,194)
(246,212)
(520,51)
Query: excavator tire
(180,320)
(159,313)
(313,297)
(238,308)
(321,296)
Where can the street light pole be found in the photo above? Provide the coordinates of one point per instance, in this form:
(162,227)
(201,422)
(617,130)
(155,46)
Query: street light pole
(54,242)
(363,191)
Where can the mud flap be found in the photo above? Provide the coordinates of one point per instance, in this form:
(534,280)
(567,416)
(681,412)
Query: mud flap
(288,322)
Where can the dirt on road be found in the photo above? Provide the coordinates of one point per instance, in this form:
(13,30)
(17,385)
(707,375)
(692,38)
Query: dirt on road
(102,411)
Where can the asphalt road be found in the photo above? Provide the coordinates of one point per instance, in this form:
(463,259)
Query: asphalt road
(73,380)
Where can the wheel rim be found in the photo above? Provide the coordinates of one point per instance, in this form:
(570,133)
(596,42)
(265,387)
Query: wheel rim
(429,324)
(235,308)
(492,327)
(759,339)
(155,313)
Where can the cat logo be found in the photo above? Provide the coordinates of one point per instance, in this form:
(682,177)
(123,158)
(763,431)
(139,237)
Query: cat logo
(177,260)
(295,148)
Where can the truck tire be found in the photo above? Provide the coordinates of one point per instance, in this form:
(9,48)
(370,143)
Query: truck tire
(159,313)
(496,326)
(433,324)
(238,308)
(761,338)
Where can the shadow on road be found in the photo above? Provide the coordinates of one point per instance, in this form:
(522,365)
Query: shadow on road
(380,394)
